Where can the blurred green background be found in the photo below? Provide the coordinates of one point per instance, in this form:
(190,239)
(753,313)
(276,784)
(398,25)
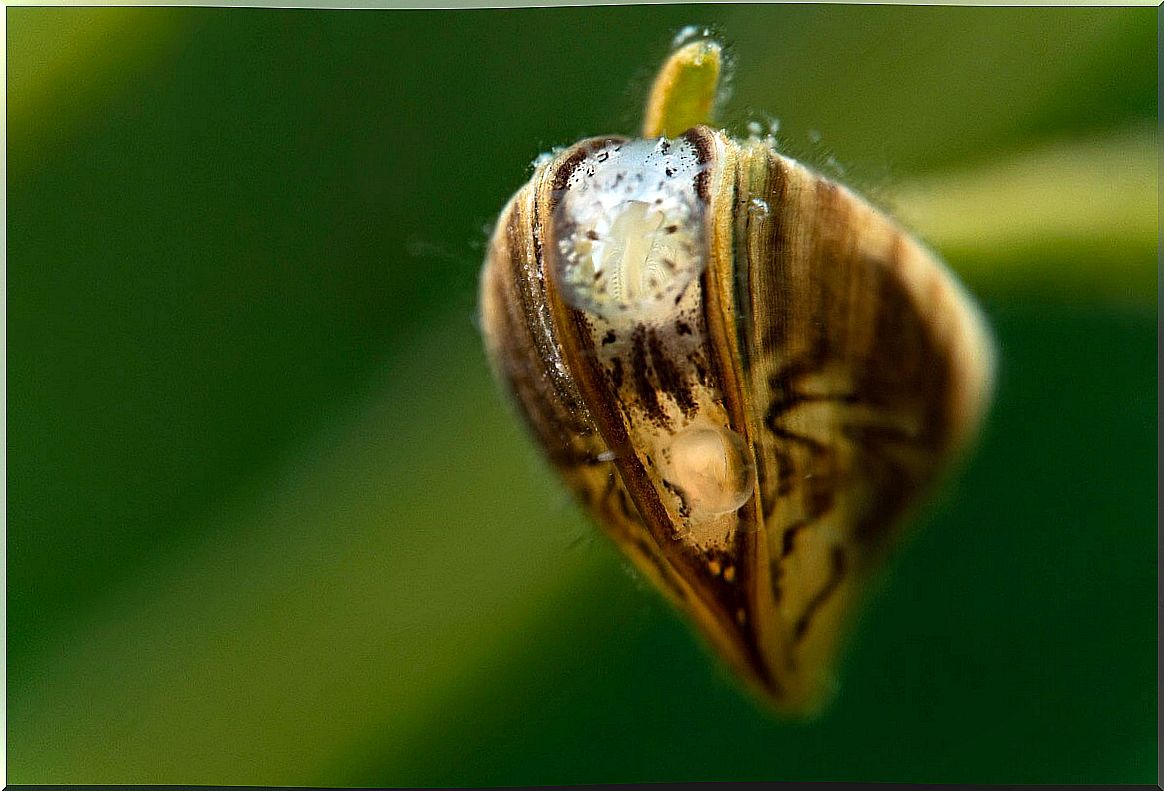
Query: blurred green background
(269,521)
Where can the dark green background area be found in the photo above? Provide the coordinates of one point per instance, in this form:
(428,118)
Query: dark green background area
(270,522)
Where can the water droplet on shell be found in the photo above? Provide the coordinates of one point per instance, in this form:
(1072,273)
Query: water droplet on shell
(711,466)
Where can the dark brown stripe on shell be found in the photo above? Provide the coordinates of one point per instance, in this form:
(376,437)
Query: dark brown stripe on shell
(836,575)
(670,380)
(645,392)
(702,139)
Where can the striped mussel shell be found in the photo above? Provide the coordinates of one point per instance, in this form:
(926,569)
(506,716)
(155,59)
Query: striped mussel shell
(748,376)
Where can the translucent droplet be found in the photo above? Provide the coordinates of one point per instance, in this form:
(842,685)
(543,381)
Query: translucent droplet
(712,468)
(690,33)
(629,226)
(762,128)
